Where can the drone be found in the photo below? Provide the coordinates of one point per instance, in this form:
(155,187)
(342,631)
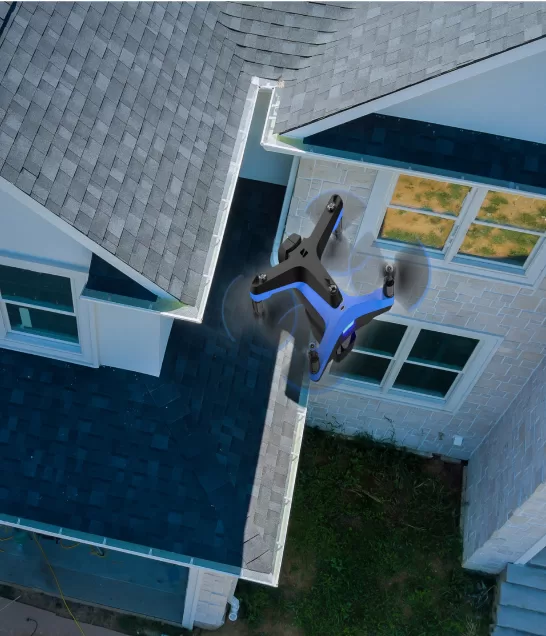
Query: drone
(334,317)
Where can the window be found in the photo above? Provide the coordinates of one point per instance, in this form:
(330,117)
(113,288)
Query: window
(461,226)
(37,304)
(413,364)
(423,211)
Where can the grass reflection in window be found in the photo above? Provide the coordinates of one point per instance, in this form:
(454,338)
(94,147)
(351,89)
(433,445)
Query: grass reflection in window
(429,195)
(410,227)
(498,244)
(515,210)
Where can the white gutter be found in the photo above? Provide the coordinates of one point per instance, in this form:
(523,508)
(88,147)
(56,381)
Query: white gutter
(270,141)
(195,314)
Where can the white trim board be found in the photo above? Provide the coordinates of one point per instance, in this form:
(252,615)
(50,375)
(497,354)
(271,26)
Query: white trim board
(532,551)
(193,589)
(446,78)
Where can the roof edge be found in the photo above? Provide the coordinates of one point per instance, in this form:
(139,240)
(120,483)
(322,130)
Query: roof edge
(422,87)
(33,205)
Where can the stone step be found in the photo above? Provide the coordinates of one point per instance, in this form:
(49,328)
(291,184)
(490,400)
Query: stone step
(526,575)
(507,631)
(524,597)
(522,620)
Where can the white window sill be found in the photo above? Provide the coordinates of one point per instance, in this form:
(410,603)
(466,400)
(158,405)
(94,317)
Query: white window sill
(56,350)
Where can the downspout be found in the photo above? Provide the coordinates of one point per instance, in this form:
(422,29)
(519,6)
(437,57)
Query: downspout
(234,604)
(284,210)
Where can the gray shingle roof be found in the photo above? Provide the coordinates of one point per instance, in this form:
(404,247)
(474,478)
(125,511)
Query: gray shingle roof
(386,46)
(121,118)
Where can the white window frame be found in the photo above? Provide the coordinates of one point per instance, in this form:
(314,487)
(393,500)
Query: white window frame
(84,352)
(459,391)
(448,258)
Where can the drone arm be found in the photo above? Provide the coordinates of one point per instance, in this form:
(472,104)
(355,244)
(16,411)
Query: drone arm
(327,223)
(358,312)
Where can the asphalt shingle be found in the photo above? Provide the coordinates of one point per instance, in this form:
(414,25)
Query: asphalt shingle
(194,462)
(151,95)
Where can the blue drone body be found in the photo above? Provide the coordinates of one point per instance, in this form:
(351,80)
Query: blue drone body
(334,317)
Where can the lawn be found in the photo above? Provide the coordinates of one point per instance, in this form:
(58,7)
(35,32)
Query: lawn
(373,549)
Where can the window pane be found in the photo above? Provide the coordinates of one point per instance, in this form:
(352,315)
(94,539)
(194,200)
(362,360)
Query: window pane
(36,288)
(428,194)
(380,337)
(42,323)
(512,209)
(360,366)
(410,227)
(504,246)
(442,349)
(413,377)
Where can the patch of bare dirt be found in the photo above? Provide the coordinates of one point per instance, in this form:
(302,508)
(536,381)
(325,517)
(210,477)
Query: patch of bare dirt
(297,574)
(451,474)
(440,568)
(270,628)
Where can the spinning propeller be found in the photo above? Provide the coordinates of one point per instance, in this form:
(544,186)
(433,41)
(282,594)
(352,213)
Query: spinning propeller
(333,314)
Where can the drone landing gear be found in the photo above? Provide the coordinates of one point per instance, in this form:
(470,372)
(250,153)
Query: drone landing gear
(258,309)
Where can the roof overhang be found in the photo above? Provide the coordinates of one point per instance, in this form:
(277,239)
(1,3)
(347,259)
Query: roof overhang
(465,71)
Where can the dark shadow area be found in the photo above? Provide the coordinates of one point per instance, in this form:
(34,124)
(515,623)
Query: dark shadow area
(164,462)
(455,152)
(103,277)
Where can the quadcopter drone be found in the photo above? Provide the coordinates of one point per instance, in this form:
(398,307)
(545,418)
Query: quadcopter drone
(334,317)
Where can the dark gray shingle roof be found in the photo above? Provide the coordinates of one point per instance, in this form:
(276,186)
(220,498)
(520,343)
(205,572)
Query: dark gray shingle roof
(385,46)
(121,117)
(166,462)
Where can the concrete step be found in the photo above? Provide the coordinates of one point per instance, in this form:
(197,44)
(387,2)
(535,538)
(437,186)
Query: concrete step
(524,597)
(525,575)
(506,631)
(522,620)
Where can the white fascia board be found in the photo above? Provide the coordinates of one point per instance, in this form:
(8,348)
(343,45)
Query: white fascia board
(272,143)
(71,231)
(447,78)
(196,313)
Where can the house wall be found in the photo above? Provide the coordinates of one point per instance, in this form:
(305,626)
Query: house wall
(506,101)
(26,234)
(131,339)
(505,498)
(125,338)
(487,306)
(216,589)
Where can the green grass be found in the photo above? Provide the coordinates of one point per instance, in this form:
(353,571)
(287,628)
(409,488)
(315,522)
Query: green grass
(373,549)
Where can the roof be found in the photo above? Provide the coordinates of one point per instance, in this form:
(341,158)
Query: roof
(384,47)
(121,118)
(196,462)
